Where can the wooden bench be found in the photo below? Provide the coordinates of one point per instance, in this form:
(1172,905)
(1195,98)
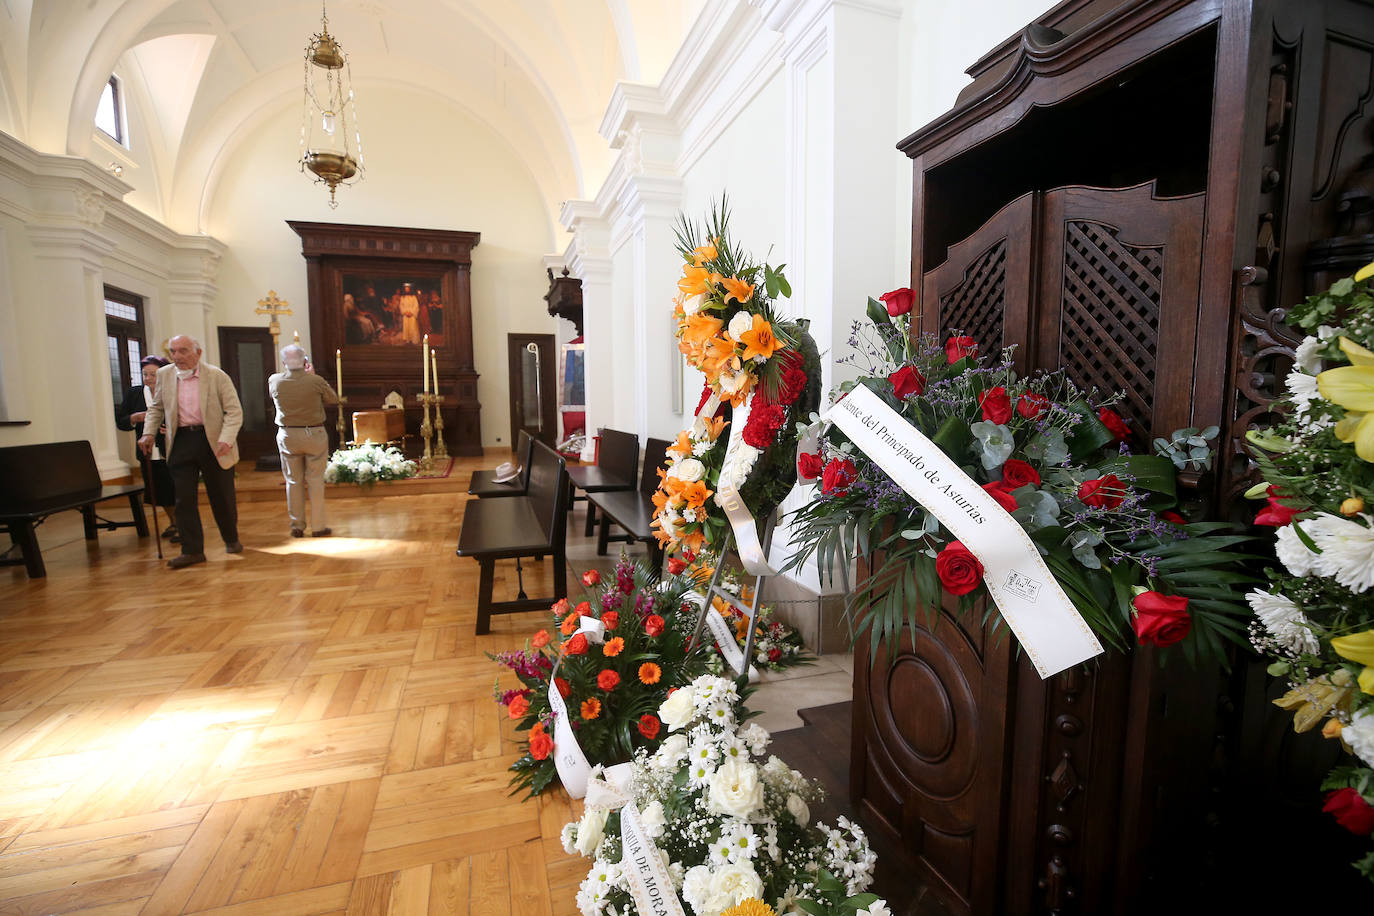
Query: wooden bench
(633,510)
(617,459)
(484,485)
(533,525)
(41,480)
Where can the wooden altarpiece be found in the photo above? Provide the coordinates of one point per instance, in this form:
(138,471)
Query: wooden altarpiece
(344,262)
(1129,189)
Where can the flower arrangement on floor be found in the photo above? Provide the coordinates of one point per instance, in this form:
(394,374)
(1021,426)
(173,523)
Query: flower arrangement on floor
(621,652)
(1316,618)
(777,645)
(1058,459)
(761,372)
(366,464)
(731,823)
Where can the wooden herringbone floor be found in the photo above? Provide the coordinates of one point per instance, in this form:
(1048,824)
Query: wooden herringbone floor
(306,728)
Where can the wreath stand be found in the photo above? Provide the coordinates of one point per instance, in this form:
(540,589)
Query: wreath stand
(750,610)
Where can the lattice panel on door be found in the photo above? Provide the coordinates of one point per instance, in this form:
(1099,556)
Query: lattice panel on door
(975,307)
(1109,328)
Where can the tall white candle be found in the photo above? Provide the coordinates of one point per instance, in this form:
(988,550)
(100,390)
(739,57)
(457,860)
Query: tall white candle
(424,366)
(434,364)
(338,371)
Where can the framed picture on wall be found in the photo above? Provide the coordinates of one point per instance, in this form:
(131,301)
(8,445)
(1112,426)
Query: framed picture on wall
(390,309)
(572,377)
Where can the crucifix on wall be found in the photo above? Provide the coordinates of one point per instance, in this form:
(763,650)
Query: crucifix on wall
(273,306)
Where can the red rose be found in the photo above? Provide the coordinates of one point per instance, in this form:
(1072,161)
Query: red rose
(653,625)
(1169,515)
(519,705)
(996,405)
(1017,473)
(564,688)
(998,491)
(956,348)
(608,679)
(839,476)
(1106,492)
(959,570)
(541,745)
(1275,513)
(611,619)
(774,654)
(809,465)
(898,301)
(1351,811)
(1114,423)
(649,725)
(591,578)
(764,422)
(577,645)
(1161,620)
(675,566)
(907,381)
(1031,405)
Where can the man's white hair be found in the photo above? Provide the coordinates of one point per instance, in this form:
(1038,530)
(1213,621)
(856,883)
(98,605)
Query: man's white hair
(293,356)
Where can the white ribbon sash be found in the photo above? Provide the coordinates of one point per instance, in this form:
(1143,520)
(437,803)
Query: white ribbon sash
(650,885)
(572,764)
(1050,629)
(741,519)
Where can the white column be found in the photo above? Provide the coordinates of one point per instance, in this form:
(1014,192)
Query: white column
(192,293)
(588,258)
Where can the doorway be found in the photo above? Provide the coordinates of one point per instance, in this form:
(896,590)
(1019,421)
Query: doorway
(533,388)
(248,358)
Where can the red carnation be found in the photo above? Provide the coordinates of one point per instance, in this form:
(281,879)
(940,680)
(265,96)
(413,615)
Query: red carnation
(1017,473)
(907,381)
(839,476)
(611,619)
(793,380)
(1161,620)
(956,348)
(591,578)
(676,566)
(649,725)
(996,405)
(809,465)
(577,645)
(564,688)
(1031,405)
(998,491)
(607,679)
(1114,423)
(1106,492)
(764,422)
(653,625)
(959,570)
(1275,513)
(1351,811)
(898,301)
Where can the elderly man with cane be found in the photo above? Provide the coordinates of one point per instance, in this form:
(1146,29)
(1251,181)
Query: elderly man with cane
(301,396)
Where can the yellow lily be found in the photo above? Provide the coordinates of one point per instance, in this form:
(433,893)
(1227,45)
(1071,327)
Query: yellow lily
(1358,647)
(1314,701)
(1352,387)
(1365,272)
(737,289)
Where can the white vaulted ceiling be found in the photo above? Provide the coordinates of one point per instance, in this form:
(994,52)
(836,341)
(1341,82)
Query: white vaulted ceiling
(205,72)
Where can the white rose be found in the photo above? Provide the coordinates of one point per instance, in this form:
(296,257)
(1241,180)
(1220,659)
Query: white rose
(692,304)
(590,830)
(796,805)
(678,709)
(653,820)
(671,751)
(736,789)
(1359,734)
(688,470)
(743,321)
(731,885)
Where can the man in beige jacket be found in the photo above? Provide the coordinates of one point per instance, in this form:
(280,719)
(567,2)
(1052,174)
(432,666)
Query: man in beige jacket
(200,408)
(301,396)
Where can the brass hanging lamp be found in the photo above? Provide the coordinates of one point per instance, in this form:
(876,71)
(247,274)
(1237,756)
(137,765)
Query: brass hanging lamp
(331,146)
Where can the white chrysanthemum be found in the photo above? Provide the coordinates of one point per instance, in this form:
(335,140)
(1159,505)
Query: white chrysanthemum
(756,736)
(1359,734)
(796,806)
(568,838)
(689,515)
(653,820)
(701,447)
(1347,550)
(1305,356)
(1302,388)
(696,886)
(1284,621)
(876,908)
(671,752)
(1292,552)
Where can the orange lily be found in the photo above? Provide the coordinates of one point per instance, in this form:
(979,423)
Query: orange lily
(759,340)
(704,253)
(701,328)
(719,353)
(695,493)
(683,445)
(714,426)
(694,541)
(737,289)
(695,280)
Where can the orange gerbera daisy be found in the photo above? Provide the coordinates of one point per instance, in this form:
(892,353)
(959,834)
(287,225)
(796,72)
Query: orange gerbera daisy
(613,647)
(759,340)
(591,708)
(649,673)
(737,289)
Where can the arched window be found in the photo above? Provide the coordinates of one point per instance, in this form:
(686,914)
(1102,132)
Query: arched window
(109,113)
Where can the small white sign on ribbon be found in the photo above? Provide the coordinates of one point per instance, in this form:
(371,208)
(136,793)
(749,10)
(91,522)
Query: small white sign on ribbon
(650,885)
(572,764)
(720,631)
(593,629)
(1052,632)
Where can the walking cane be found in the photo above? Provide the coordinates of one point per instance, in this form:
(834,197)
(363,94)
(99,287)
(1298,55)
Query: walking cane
(151,487)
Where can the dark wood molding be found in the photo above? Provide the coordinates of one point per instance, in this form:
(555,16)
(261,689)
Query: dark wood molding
(15,422)
(441,256)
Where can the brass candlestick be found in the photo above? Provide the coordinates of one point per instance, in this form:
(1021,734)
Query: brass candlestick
(440,449)
(427,433)
(339,424)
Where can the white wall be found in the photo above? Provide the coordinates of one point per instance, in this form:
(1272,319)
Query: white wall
(429,165)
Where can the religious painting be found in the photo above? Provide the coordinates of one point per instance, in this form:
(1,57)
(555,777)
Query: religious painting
(572,379)
(387,309)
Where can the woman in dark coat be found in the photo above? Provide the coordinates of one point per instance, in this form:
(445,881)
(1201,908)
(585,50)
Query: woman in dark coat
(130,416)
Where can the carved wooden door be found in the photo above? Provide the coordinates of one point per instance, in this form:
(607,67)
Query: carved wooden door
(963,756)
